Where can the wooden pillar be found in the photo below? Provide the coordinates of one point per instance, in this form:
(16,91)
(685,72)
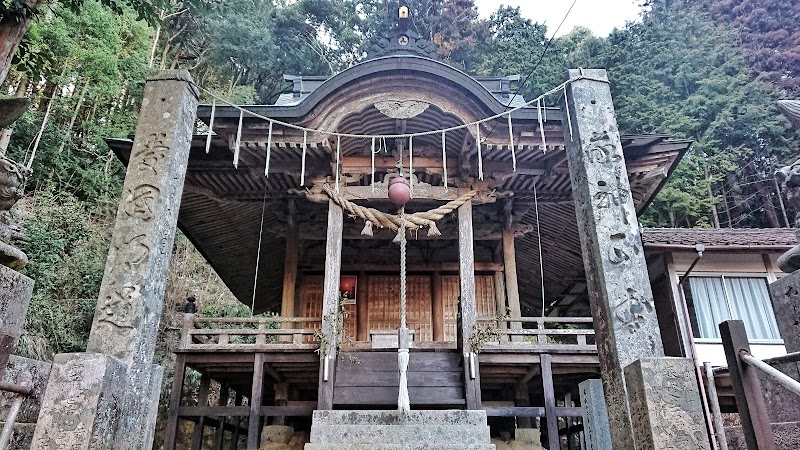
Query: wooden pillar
(330,306)
(257,388)
(500,297)
(290,264)
(174,403)
(219,435)
(512,288)
(437,307)
(202,401)
(362,308)
(747,389)
(553,443)
(467,306)
(522,398)
(281,399)
(237,430)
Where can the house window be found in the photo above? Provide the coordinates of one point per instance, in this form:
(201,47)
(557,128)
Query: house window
(715,299)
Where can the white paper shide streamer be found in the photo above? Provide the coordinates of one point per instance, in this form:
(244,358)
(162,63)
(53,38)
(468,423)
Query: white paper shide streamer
(403,402)
(303,162)
(511,144)
(269,149)
(211,125)
(444,159)
(238,143)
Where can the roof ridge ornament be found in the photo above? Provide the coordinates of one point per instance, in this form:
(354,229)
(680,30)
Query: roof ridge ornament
(402,40)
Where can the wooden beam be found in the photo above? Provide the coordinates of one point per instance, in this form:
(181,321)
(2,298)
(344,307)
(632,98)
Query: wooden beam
(202,400)
(171,428)
(554,442)
(362,308)
(330,306)
(290,264)
(467,305)
(749,395)
(257,388)
(437,307)
(512,286)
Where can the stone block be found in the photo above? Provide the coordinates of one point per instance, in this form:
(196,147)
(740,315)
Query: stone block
(136,427)
(15,296)
(38,372)
(388,417)
(787,436)
(595,415)
(399,434)
(80,407)
(785,296)
(279,434)
(665,406)
(782,404)
(528,436)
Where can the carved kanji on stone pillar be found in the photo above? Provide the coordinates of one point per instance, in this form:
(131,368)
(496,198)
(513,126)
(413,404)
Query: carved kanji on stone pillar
(619,288)
(129,306)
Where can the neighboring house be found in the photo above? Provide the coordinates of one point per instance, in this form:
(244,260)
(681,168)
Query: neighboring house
(728,282)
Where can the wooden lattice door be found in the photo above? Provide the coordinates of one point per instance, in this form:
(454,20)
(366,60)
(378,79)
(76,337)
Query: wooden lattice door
(384,304)
(484,298)
(311,304)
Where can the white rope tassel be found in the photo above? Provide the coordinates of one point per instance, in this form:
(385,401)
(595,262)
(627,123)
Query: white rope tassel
(269,149)
(303,162)
(372,156)
(411,164)
(211,125)
(403,402)
(444,159)
(541,125)
(338,159)
(480,155)
(569,119)
(238,141)
(511,144)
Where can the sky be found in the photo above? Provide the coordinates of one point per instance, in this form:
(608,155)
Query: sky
(600,16)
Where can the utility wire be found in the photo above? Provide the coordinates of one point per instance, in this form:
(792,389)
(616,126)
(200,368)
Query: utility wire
(535,66)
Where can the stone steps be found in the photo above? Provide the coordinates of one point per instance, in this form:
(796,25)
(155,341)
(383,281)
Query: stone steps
(392,430)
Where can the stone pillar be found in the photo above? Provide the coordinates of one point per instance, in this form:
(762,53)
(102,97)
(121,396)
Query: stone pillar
(665,404)
(785,296)
(595,415)
(15,296)
(619,288)
(129,306)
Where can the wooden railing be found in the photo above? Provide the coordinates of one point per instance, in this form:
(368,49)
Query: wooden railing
(545,334)
(249,333)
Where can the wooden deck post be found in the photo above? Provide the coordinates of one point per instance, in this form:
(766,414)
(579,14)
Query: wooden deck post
(512,287)
(237,430)
(362,308)
(219,435)
(171,428)
(290,265)
(257,388)
(202,400)
(749,396)
(553,443)
(437,307)
(467,306)
(521,398)
(330,307)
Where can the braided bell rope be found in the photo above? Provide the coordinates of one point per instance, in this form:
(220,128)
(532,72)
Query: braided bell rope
(393,222)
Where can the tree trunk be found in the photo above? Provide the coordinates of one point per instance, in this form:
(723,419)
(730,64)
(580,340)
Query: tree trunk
(41,132)
(766,203)
(5,135)
(11,31)
(74,116)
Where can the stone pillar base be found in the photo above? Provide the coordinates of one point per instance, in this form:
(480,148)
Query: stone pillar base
(80,407)
(595,416)
(785,295)
(137,427)
(665,404)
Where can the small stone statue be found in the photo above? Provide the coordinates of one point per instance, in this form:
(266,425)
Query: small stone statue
(789,180)
(12,187)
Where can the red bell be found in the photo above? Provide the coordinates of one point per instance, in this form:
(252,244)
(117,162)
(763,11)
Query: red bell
(399,191)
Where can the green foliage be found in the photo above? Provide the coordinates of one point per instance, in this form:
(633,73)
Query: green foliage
(67,247)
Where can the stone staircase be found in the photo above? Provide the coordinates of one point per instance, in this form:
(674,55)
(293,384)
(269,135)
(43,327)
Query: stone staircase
(392,430)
